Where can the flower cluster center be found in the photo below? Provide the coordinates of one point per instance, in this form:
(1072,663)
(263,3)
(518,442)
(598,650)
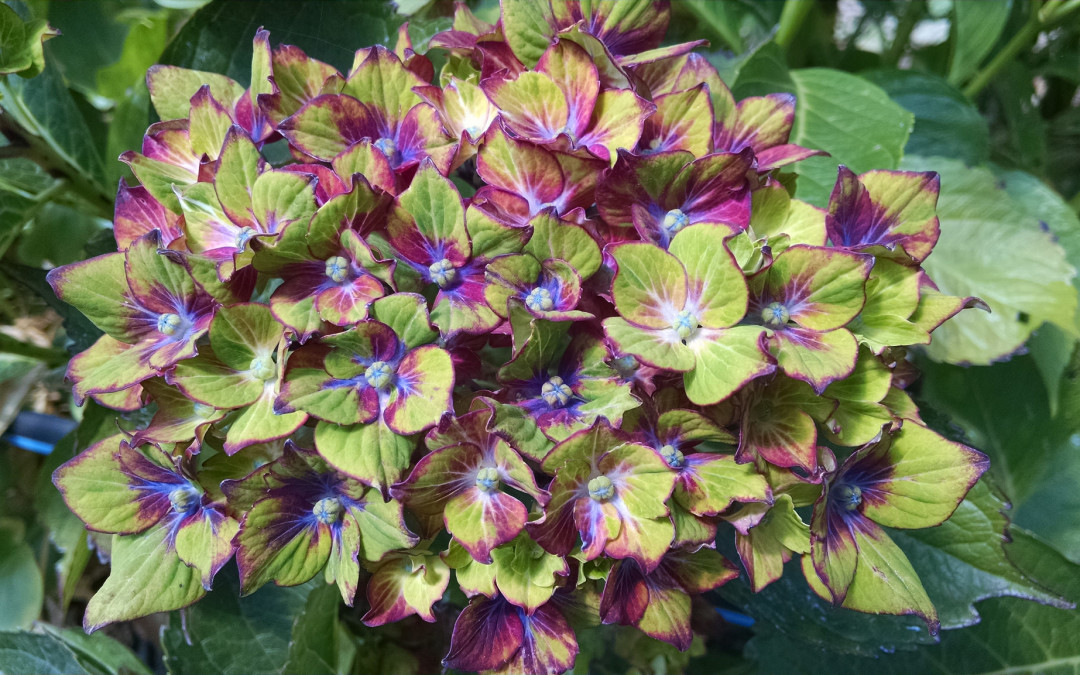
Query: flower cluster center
(487,479)
(775,314)
(848,496)
(672,455)
(556,393)
(183,498)
(601,489)
(539,299)
(685,324)
(675,220)
(337,269)
(379,374)
(442,272)
(242,237)
(263,368)
(387,146)
(168,324)
(327,510)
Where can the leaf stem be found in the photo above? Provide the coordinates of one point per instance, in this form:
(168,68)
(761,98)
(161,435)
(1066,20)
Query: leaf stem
(1041,18)
(791,18)
(910,16)
(50,356)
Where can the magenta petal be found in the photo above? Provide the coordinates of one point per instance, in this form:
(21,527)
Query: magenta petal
(487,634)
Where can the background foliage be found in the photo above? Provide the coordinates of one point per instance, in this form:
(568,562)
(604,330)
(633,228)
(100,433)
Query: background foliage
(986,92)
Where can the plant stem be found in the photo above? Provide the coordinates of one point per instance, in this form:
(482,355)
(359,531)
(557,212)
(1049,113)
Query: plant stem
(791,18)
(51,357)
(1041,18)
(910,16)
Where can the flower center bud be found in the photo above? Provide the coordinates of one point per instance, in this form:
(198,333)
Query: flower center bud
(487,479)
(183,498)
(168,323)
(848,496)
(473,130)
(327,510)
(601,489)
(387,146)
(675,220)
(685,324)
(775,314)
(539,299)
(337,268)
(672,456)
(442,272)
(263,368)
(555,392)
(203,410)
(243,235)
(379,374)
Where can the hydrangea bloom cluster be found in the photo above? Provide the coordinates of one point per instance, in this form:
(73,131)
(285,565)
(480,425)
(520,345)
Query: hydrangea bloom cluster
(555,391)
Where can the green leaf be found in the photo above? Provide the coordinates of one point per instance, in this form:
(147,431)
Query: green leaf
(39,654)
(962,561)
(45,108)
(142,47)
(836,112)
(21,43)
(217,38)
(992,247)
(99,653)
(231,635)
(21,584)
(977,26)
(314,646)
(1015,637)
(1003,409)
(946,123)
(407,315)
(528,29)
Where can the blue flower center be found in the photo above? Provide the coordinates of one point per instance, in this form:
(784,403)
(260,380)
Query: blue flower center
(775,314)
(685,324)
(442,272)
(327,510)
(387,146)
(601,489)
(183,499)
(556,393)
(263,368)
(487,479)
(242,237)
(379,374)
(672,455)
(675,220)
(168,324)
(337,268)
(539,300)
(848,496)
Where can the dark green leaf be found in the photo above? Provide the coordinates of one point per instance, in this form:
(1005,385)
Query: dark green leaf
(99,653)
(314,648)
(46,109)
(229,635)
(976,27)
(80,331)
(946,124)
(218,37)
(789,607)
(38,654)
(1015,637)
(21,587)
(962,561)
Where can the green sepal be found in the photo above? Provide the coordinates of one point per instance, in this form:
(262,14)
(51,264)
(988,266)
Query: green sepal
(147,576)
(406,584)
(371,453)
(525,573)
(715,279)
(552,238)
(725,360)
